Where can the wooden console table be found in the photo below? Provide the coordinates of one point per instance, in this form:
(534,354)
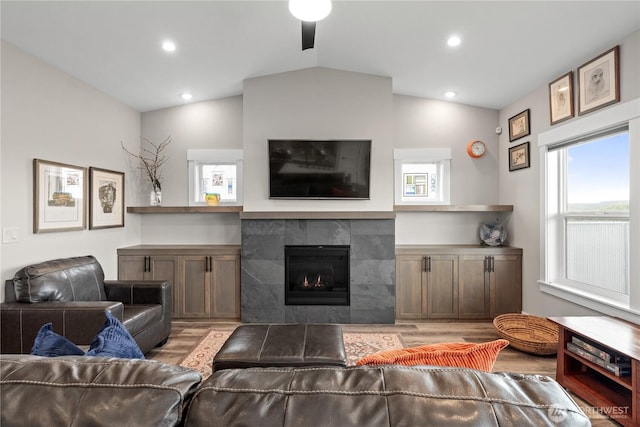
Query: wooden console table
(616,396)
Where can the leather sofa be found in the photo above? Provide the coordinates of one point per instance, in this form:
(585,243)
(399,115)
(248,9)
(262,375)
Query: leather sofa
(83,391)
(73,295)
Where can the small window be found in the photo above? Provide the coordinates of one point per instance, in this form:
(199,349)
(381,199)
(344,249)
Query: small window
(422,176)
(215,171)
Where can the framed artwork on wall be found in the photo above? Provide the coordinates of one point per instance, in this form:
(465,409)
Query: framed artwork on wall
(519,126)
(561,98)
(519,157)
(106,198)
(59,197)
(598,82)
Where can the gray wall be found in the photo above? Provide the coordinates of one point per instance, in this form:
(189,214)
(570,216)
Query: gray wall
(522,188)
(49,115)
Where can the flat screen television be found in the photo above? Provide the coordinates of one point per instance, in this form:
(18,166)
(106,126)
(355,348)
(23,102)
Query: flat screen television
(313,169)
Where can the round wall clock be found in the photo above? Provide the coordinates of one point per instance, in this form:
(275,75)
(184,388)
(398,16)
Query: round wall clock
(476,149)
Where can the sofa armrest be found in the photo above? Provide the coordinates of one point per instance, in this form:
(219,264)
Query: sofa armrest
(93,391)
(77,321)
(139,291)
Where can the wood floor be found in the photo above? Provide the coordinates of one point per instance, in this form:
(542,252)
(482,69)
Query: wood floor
(185,334)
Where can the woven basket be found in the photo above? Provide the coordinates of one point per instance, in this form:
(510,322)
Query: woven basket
(531,334)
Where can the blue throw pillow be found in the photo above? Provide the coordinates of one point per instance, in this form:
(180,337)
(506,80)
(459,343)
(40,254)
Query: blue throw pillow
(50,344)
(114,340)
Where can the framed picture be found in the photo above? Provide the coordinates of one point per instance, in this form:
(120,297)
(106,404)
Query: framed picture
(598,82)
(106,198)
(59,197)
(519,126)
(561,98)
(519,157)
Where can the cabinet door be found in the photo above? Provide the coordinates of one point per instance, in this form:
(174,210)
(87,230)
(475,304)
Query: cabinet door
(442,286)
(474,287)
(132,267)
(195,286)
(225,287)
(167,267)
(506,284)
(410,287)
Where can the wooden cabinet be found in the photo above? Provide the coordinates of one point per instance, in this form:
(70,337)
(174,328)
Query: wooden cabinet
(430,287)
(457,281)
(205,278)
(147,267)
(490,285)
(615,396)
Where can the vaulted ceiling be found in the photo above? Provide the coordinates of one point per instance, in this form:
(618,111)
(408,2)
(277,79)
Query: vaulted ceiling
(508,49)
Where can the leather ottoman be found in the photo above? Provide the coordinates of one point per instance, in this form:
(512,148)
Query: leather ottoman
(292,345)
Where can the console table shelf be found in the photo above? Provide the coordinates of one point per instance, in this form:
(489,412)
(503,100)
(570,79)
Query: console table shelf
(616,396)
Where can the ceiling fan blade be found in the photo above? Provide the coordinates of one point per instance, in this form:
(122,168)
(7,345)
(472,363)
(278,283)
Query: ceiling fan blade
(308,34)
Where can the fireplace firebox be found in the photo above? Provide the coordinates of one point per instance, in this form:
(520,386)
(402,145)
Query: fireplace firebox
(316,275)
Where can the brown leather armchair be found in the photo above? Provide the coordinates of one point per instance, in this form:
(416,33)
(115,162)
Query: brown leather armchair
(72,294)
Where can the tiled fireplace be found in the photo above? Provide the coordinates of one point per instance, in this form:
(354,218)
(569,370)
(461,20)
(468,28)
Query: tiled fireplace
(371,247)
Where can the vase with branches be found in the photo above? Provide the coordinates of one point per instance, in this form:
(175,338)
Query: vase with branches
(152,157)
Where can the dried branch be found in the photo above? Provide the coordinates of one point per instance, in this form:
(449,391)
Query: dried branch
(151,160)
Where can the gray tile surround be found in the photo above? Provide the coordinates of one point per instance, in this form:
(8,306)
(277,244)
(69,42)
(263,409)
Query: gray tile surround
(372,243)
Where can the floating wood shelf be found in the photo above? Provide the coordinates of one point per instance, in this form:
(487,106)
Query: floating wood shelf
(182,209)
(453,208)
(317,214)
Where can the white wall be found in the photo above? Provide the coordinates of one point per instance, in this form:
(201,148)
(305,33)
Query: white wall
(49,115)
(215,124)
(522,188)
(317,103)
(427,123)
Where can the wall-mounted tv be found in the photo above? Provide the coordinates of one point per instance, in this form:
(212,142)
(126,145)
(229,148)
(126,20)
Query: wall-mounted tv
(313,169)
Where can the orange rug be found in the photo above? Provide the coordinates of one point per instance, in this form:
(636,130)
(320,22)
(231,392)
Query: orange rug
(357,345)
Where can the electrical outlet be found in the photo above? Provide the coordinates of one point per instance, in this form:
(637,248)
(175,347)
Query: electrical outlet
(10,234)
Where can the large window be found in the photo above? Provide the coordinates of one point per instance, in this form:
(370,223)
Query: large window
(591,213)
(590,204)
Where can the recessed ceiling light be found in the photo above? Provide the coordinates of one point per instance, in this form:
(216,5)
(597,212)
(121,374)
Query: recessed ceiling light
(454,41)
(450,94)
(186,96)
(168,46)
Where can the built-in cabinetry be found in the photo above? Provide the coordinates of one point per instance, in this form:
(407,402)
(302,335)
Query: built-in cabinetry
(457,281)
(205,278)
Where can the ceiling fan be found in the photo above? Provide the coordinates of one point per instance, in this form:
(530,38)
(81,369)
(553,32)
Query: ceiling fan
(309,12)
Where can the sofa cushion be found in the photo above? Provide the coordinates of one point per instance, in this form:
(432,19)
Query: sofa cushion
(68,279)
(113,340)
(380,396)
(461,354)
(93,391)
(50,344)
